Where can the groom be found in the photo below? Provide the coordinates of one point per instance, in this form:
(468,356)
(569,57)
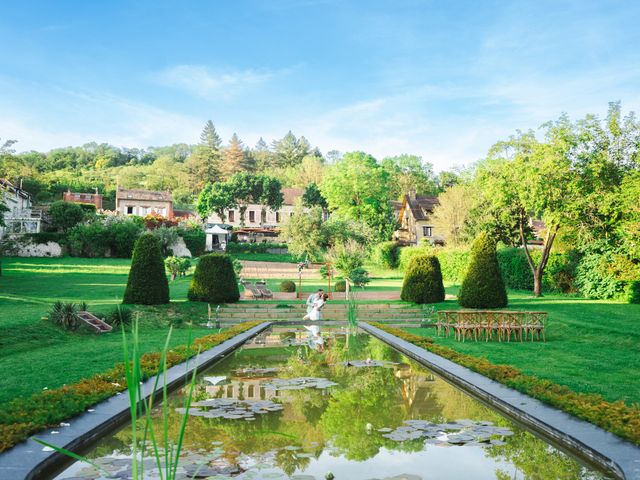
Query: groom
(313,298)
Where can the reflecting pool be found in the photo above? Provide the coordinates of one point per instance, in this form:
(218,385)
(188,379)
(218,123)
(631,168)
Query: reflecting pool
(278,409)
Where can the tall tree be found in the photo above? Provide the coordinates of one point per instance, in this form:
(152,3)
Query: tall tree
(289,151)
(313,196)
(215,197)
(450,217)
(357,187)
(203,165)
(409,173)
(261,155)
(233,158)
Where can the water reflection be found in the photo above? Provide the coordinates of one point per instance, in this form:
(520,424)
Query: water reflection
(343,428)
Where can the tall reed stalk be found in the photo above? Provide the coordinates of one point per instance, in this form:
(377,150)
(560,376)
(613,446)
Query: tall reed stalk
(167,459)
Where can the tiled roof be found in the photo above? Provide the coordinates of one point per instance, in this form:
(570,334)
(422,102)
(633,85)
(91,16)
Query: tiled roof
(291,195)
(143,195)
(421,206)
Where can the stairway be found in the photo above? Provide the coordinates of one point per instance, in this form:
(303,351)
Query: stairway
(94,322)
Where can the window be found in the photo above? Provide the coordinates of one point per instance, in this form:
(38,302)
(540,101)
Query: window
(252,216)
(232,216)
(427,231)
(277,217)
(129,210)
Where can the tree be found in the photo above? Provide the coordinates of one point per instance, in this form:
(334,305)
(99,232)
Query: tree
(409,173)
(147,283)
(483,286)
(234,158)
(270,195)
(261,155)
(289,150)
(214,280)
(423,281)
(215,197)
(65,215)
(203,165)
(313,196)
(303,232)
(451,216)
(357,187)
(3,209)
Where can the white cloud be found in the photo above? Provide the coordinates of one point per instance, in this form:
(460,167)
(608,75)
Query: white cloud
(205,83)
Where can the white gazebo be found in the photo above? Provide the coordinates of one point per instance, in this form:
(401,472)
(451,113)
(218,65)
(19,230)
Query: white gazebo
(216,237)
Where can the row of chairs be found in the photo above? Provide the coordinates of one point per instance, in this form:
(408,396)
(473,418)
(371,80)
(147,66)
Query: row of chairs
(488,324)
(257,291)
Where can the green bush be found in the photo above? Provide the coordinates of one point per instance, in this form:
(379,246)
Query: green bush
(483,286)
(195,239)
(387,255)
(214,280)
(633,291)
(122,236)
(423,281)
(147,283)
(177,266)
(515,269)
(88,240)
(88,208)
(119,316)
(46,237)
(241,247)
(359,277)
(65,215)
(287,286)
(65,315)
(340,286)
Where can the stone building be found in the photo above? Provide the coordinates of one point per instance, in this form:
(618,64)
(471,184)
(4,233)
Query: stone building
(414,220)
(143,202)
(21,217)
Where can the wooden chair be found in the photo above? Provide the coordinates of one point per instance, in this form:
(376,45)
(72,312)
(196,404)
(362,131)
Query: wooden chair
(262,288)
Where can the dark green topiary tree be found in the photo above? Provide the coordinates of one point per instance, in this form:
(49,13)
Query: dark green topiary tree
(287,286)
(214,280)
(483,286)
(423,281)
(147,284)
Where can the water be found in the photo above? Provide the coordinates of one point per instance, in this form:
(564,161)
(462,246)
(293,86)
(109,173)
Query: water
(276,409)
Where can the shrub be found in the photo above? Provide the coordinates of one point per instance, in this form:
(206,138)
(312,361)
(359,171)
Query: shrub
(359,277)
(387,254)
(239,247)
(89,209)
(195,239)
(346,257)
(167,236)
(177,266)
(45,237)
(633,291)
(147,283)
(122,236)
(483,286)
(65,315)
(214,280)
(119,316)
(407,254)
(237,266)
(340,286)
(423,281)
(287,286)
(65,215)
(88,240)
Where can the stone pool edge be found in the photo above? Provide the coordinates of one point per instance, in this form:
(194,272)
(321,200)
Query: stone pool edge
(27,459)
(602,448)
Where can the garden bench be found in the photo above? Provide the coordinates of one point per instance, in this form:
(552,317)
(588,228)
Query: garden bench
(262,288)
(251,291)
(503,324)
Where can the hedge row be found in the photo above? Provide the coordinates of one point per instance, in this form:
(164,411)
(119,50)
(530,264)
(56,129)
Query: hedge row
(616,417)
(238,247)
(22,417)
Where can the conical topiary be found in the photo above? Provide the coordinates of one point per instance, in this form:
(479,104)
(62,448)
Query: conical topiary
(147,283)
(483,286)
(423,281)
(214,280)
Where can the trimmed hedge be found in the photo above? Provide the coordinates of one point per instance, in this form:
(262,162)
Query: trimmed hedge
(340,286)
(147,283)
(240,247)
(214,280)
(483,286)
(287,286)
(423,281)
(195,239)
(42,238)
(616,417)
(387,255)
(23,417)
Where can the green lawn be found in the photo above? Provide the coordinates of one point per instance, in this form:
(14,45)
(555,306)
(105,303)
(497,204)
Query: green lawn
(592,346)
(35,354)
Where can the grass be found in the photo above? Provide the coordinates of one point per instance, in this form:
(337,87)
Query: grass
(38,355)
(592,346)
(266,257)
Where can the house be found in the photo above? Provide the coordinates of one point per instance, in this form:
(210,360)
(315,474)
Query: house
(256,216)
(143,202)
(83,198)
(414,220)
(21,217)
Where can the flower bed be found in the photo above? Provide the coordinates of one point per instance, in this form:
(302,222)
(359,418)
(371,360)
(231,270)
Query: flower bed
(22,417)
(616,417)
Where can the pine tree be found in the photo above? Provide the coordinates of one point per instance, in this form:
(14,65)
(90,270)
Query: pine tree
(261,155)
(289,151)
(233,158)
(209,136)
(483,286)
(203,165)
(423,281)
(147,283)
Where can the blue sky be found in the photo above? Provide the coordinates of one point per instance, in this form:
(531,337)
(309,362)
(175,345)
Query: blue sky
(440,79)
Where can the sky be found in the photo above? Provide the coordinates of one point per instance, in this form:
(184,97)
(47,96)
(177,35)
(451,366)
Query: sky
(441,79)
